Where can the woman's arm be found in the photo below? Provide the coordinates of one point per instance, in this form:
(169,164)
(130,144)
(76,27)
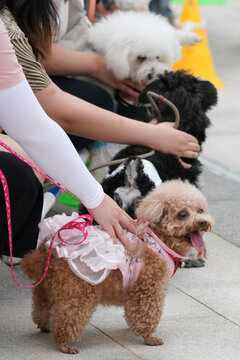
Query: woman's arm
(64,62)
(81,118)
(46,143)
(25,121)
(61,61)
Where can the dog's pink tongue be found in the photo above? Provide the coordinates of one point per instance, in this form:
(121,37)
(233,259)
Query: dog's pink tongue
(197,241)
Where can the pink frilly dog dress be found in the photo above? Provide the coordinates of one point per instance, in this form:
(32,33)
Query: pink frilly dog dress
(97,255)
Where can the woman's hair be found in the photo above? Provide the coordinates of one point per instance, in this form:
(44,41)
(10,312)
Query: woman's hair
(2,3)
(38,19)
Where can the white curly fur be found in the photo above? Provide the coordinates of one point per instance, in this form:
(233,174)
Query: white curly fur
(137,45)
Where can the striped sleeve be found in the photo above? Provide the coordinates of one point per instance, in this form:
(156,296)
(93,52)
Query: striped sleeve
(34,72)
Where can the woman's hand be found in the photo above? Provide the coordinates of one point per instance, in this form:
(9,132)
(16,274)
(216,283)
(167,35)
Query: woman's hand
(106,76)
(176,142)
(113,219)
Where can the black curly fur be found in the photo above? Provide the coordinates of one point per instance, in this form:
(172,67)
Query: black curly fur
(193,98)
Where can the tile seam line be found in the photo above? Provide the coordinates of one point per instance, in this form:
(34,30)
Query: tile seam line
(223,238)
(213,166)
(130,351)
(208,307)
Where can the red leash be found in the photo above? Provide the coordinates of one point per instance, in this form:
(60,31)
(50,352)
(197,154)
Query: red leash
(74,224)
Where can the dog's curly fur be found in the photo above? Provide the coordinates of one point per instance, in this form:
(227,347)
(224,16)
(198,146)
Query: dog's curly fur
(64,303)
(193,98)
(138,45)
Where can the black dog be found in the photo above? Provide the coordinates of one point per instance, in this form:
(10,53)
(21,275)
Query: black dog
(193,98)
(129,182)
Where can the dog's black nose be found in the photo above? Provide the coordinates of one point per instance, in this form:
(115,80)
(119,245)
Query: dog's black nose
(151,74)
(202,223)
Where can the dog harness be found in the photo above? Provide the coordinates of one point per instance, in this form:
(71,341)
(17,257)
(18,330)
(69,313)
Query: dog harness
(93,259)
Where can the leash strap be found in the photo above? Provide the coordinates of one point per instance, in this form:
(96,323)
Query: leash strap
(74,224)
(37,169)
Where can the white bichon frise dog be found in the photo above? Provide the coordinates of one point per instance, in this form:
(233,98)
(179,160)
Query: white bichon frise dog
(138,45)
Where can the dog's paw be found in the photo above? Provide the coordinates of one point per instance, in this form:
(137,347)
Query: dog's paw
(192,39)
(188,38)
(153,341)
(69,349)
(194,263)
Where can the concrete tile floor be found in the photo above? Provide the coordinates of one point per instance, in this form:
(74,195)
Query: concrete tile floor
(201,318)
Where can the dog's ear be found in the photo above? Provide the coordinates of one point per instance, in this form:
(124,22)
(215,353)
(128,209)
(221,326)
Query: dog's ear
(207,93)
(150,209)
(118,61)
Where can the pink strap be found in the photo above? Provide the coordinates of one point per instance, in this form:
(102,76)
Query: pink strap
(172,253)
(37,169)
(177,259)
(74,224)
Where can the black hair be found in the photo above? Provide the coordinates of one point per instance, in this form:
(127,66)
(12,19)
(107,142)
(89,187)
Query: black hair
(2,3)
(38,19)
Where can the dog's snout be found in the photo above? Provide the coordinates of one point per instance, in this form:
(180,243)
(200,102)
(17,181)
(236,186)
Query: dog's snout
(202,224)
(151,74)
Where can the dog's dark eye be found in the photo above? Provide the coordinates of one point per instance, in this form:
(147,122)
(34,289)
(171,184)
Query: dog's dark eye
(182,214)
(200,211)
(141,58)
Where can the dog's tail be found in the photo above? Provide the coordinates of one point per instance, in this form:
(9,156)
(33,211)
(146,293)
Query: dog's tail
(33,264)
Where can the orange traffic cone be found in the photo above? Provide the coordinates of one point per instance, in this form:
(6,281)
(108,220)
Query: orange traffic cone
(197,59)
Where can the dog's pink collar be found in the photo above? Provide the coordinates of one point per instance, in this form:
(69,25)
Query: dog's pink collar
(177,259)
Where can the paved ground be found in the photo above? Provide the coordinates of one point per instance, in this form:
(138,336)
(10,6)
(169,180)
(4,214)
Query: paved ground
(201,318)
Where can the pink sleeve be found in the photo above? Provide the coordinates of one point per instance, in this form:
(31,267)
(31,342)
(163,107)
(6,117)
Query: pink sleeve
(10,71)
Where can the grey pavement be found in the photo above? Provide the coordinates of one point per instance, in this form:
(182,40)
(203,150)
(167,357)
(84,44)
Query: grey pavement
(201,318)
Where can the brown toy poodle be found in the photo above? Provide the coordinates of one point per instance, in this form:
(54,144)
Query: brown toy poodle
(63,303)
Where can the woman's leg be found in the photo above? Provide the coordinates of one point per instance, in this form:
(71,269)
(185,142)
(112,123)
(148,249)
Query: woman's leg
(26,199)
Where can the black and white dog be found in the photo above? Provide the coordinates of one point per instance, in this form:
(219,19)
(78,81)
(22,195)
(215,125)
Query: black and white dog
(193,97)
(133,179)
